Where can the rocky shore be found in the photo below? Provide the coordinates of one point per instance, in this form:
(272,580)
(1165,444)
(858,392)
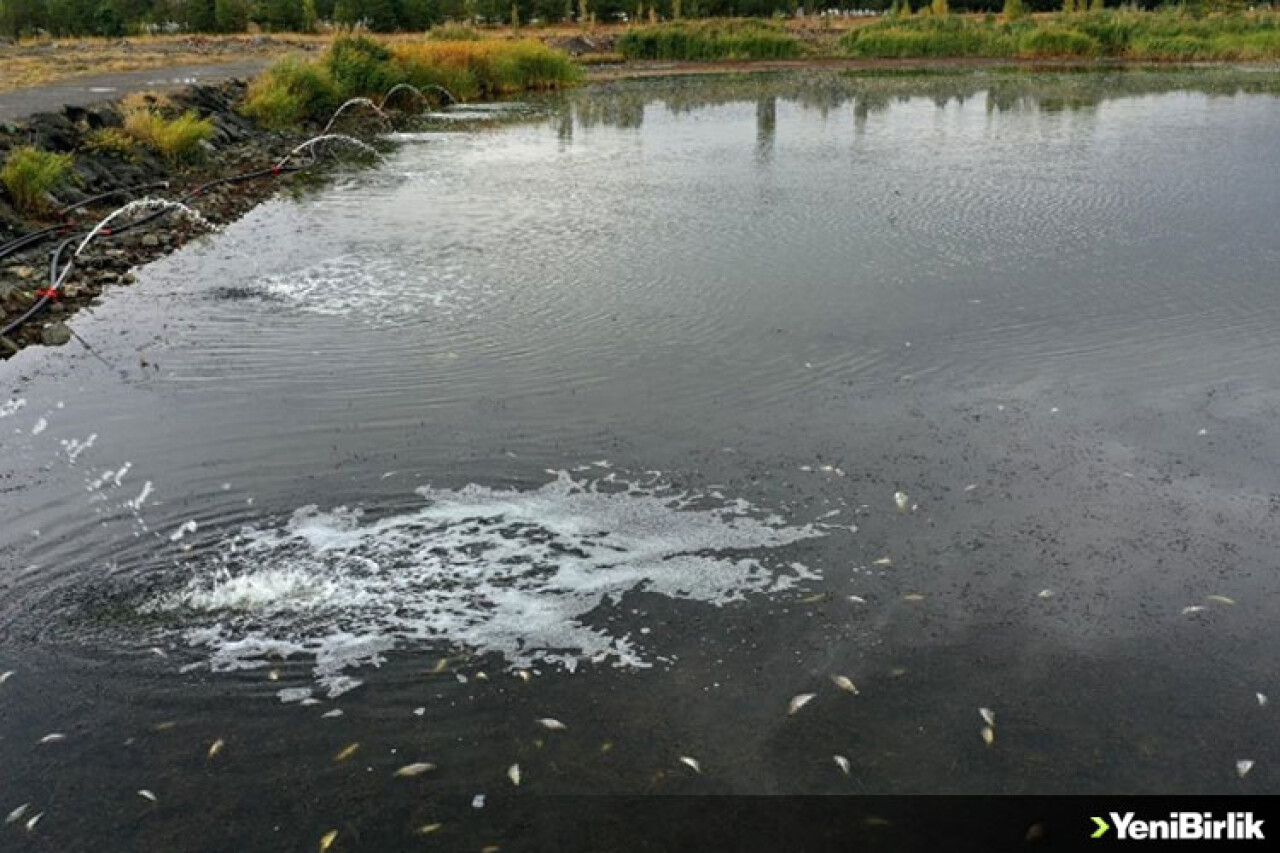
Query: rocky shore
(237,145)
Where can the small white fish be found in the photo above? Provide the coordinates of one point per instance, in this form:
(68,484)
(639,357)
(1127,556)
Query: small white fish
(309,701)
(17,814)
(900,500)
(971,487)
(552,724)
(326,840)
(988,735)
(477,802)
(883,561)
(419,712)
(513,773)
(53,737)
(1243,766)
(428,828)
(522,674)
(31,824)
(1193,608)
(482,676)
(845,684)
(857,599)
(415,769)
(1220,599)
(1262,699)
(346,752)
(799,702)
(1045,593)
(216,747)
(691,763)
(5,676)
(988,716)
(147,795)
(1203,432)
(329,715)
(913,596)
(842,763)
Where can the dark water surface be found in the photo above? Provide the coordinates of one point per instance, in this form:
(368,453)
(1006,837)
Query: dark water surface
(602,416)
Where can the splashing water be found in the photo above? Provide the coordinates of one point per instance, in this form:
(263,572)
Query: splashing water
(309,146)
(419,92)
(354,102)
(495,571)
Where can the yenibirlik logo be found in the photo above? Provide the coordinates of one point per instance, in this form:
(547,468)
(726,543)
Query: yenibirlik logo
(1182,826)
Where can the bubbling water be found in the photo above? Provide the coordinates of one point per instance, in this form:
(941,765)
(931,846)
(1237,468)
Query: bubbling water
(494,571)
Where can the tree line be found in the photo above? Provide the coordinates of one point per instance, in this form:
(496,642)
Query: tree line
(125,17)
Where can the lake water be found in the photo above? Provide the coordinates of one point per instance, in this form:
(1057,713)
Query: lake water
(647,413)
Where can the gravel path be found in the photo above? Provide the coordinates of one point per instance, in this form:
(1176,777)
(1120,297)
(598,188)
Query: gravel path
(81,91)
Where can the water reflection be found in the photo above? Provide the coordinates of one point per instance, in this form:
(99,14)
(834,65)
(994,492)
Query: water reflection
(624,104)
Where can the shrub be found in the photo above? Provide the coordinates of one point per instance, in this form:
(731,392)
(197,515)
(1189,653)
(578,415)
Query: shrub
(454,32)
(486,67)
(178,139)
(360,65)
(289,92)
(1058,41)
(29,174)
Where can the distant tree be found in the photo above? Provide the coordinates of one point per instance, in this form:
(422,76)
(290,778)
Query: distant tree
(231,16)
(1013,9)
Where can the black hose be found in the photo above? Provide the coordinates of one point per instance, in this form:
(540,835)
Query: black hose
(19,243)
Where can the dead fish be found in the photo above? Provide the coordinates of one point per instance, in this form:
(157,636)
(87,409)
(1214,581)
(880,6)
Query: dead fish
(988,716)
(842,763)
(441,666)
(165,726)
(216,747)
(147,795)
(552,724)
(273,675)
(606,747)
(513,773)
(900,500)
(857,599)
(1220,599)
(1262,699)
(477,802)
(883,561)
(309,701)
(913,596)
(17,814)
(347,751)
(1045,593)
(5,676)
(53,737)
(326,840)
(1243,766)
(522,674)
(428,828)
(971,487)
(31,824)
(419,712)
(691,763)
(482,676)
(1193,608)
(799,702)
(897,672)
(988,735)
(814,599)
(415,769)
(845,684)
(492,848)
(329,715)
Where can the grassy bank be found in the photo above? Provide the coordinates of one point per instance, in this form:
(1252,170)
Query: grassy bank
(1168,34)
(710,40)
(297,89)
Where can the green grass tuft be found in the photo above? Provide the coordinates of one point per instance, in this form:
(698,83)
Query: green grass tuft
(29,174)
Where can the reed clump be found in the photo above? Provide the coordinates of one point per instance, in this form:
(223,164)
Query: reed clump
(696,41)
(177,138)
(297,90)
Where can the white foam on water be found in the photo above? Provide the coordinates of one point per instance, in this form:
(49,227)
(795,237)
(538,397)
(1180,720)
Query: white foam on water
(505,571)
(376,291)
(40,426)
(11,407)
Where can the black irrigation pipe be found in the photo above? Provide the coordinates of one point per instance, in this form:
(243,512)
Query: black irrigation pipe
(26,240)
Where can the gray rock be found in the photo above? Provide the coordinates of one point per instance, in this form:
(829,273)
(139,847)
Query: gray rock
(150,241)
(22,272)
(8,347)
(55,335)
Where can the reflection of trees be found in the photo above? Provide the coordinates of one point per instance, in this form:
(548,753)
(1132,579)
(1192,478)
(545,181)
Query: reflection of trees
(622,104)
(766,124)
